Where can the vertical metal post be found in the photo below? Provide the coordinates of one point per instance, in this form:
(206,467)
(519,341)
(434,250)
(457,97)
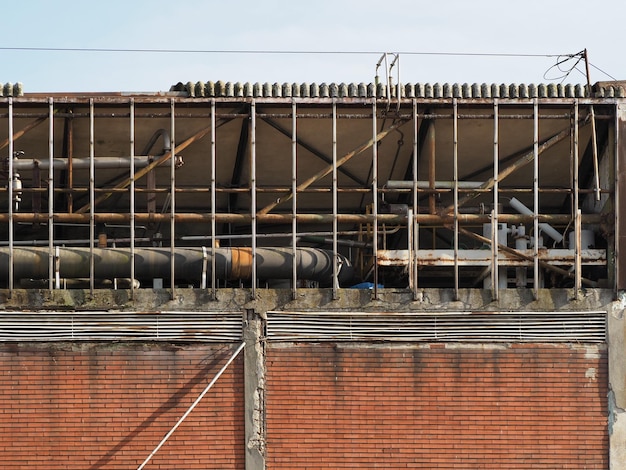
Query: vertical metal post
(172,200)
(50,194)
(455,156)
(410,245)
(578,255)
(132,198)
(375,199)
(494,213)
(92,198)
(213,202)
(253,220)
(432,165)
(10,178)
(294,207)
(412,221)
(70,163)
(536,279)
(575,208)
(335,203)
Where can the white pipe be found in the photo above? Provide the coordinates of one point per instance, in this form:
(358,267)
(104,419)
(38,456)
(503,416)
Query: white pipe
(545,228)
(193,405)
(23,164)
(401,184)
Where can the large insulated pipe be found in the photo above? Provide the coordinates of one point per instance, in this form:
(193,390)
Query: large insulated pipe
(231,263)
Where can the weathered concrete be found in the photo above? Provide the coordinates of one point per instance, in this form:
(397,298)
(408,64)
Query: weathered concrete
(237,300)
(348,300)
(254,390)
(617,384)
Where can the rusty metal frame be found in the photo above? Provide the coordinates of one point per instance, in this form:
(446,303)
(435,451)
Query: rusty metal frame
(449,216)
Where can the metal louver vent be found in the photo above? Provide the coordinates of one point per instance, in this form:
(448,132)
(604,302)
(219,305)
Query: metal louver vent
(445,327)
(118,326)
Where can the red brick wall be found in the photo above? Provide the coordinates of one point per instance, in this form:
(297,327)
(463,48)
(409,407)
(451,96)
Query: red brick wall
(436,406)
(107,406)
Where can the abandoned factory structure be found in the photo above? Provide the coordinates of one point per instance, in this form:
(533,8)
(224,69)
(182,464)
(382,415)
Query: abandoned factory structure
(261,276)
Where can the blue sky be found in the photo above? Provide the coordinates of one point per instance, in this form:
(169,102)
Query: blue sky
(481,26)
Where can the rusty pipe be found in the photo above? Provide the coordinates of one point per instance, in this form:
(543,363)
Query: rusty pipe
(202,217)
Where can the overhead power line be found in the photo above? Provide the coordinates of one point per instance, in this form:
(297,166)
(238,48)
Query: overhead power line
(267,51)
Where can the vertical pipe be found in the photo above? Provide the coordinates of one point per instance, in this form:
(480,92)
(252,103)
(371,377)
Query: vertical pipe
(536,280)
(494,213)
(132,198)
(575,209)
(92,198)
(294,207)
(430,150)
(578,260)
(410,245)
(51,194)
(375,199)
(455,156)
(70,164)
(213,202)
(335,202)
(10,158)
(253,208)
(172,199)
(413,221)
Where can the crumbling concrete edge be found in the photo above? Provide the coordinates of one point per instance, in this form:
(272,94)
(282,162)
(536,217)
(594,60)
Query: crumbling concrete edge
(616,425)
(254,390)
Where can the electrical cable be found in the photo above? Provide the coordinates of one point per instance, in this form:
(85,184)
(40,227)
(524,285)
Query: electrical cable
(261,51)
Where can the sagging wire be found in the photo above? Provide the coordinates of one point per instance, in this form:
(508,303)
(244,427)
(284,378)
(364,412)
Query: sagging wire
(564,67)
(564,70)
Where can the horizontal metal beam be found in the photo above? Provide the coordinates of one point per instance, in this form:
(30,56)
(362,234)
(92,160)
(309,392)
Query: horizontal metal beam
(555,256)
(201,217)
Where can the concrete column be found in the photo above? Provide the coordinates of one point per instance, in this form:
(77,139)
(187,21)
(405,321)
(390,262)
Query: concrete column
(254,390)
(617,384)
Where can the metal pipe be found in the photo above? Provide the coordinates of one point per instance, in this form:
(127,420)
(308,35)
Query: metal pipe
(172,200)
(81,163)
(536,198)
(253,203)
(401,184)
(132,196)
(70,163)
(213,200)
(335,196)
(92,199)
(294,206)
(430,153)
(51,191)
(375,200)
(10,215)
(495,281)
(594,141)
(412,220)
(455,164)
(231,263)
(196,217)
(545,228)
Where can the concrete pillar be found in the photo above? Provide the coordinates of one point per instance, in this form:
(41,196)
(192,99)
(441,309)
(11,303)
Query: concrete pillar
(254,390)
(617,384)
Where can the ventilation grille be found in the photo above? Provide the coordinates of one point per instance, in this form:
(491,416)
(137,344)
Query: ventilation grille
(108,326)
(444,327)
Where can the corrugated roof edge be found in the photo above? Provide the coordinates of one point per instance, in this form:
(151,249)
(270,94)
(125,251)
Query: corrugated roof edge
(11,89)
(220,89)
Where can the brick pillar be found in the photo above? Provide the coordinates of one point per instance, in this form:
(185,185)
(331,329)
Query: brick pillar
(254,389)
